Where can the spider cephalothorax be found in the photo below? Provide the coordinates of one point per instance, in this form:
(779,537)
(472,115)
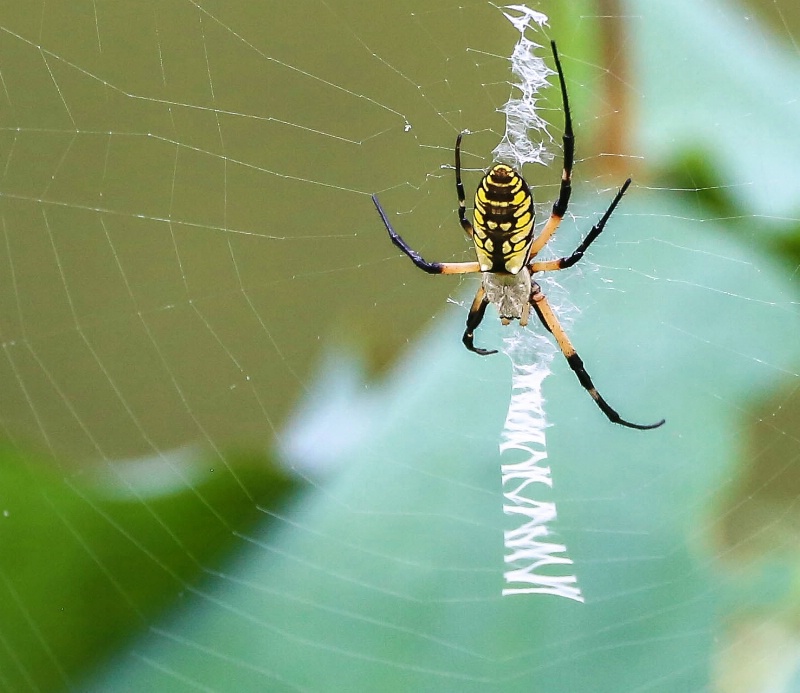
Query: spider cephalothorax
(506,248)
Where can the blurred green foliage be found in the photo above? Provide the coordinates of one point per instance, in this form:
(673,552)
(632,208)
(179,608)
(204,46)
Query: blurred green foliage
(86,562)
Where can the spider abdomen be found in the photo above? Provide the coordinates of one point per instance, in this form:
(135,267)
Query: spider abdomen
(503,220)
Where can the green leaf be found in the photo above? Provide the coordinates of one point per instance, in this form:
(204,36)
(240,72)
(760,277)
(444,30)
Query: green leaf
(714,84)
(388,576)
(87,562)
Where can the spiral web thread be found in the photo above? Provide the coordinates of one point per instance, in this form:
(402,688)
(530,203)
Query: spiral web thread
(534,565)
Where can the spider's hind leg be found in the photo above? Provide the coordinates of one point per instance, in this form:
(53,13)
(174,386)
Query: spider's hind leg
(551,323)
(474,318)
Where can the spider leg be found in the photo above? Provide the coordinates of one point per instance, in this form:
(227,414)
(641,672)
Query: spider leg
(417,259)
(568,139)
(462,198)
(476,313)
(597,229)
(549,320)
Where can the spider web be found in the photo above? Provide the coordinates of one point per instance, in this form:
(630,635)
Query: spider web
(195,283)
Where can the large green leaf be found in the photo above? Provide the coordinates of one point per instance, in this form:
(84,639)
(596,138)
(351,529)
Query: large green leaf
(388,576)
(86,561)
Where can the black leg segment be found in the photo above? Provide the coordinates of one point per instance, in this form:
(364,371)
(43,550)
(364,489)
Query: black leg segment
(462,197)
(568,138)
(597,229)
(475,317)
(576,364)
(416,258)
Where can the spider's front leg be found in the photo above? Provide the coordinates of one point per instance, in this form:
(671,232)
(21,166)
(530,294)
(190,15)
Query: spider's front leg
(474,318)
(416,258)
(577,254)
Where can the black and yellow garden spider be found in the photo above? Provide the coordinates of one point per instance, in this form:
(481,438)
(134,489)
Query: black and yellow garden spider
(506,248)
